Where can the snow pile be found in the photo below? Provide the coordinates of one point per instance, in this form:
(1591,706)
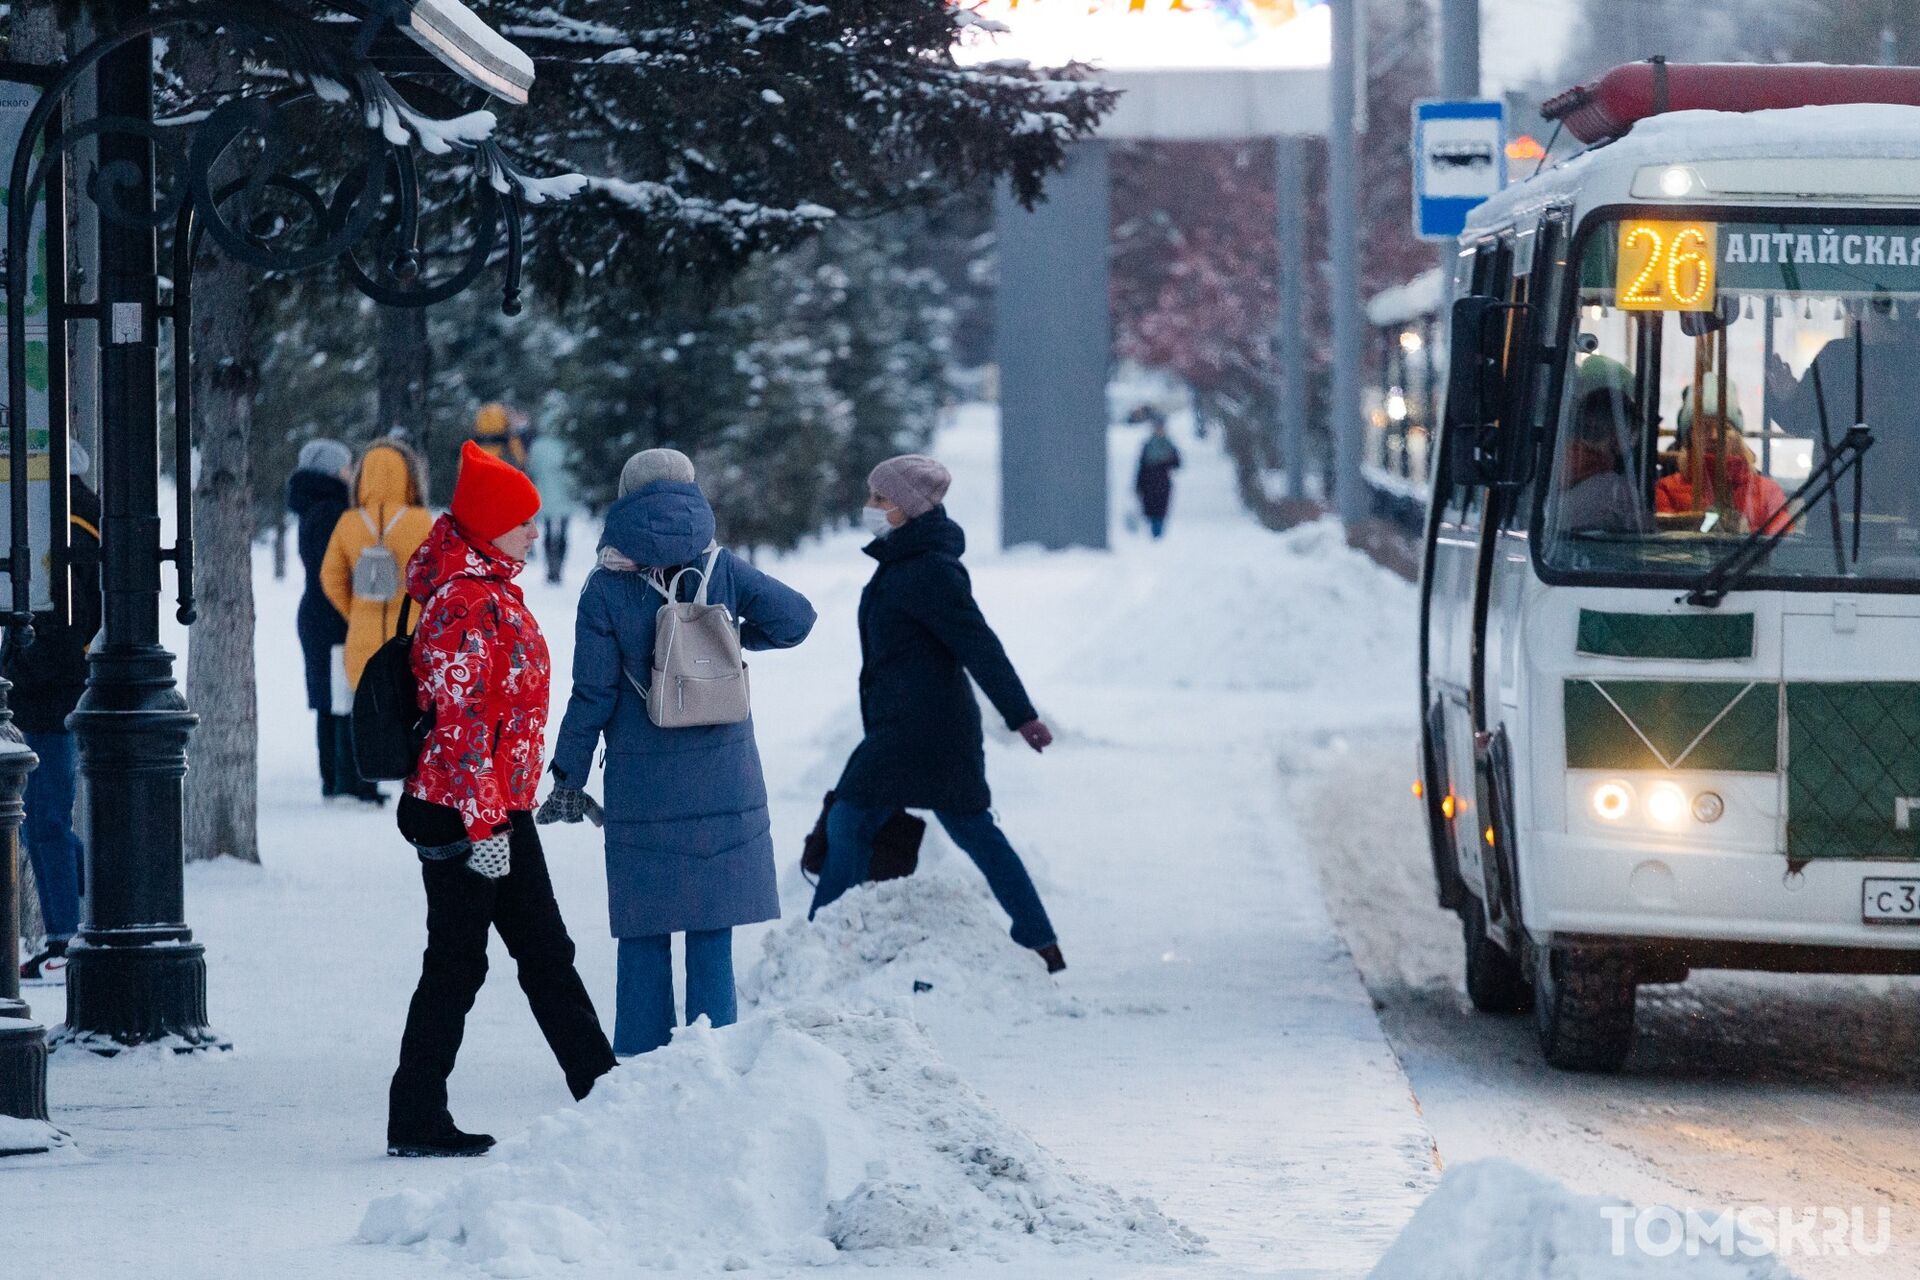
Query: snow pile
(1301,611)
(1493,1220)
(793,1138)
(936,933)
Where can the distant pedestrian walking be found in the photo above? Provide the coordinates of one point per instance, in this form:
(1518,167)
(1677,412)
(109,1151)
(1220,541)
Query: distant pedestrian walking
(921,637)
(318,496)
(547,465)
(689,844)
(48,678)
(361,575)
(1153,479)
(483,668)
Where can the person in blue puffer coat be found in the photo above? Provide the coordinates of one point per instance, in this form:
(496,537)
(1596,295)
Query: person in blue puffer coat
(689,842)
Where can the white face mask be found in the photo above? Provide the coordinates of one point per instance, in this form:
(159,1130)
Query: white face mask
(877,521)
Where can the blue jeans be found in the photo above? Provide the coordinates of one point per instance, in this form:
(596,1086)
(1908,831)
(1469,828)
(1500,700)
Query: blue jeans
(52,847)
(643,996)
(850,832)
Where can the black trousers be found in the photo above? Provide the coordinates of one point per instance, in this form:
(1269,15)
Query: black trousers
(346,771)
(461,906)
(327,738)
(555,549)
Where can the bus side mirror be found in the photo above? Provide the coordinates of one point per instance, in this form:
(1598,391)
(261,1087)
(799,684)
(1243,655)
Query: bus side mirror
(1477,390)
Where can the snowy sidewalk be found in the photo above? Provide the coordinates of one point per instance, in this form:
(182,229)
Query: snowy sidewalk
(1210,1048)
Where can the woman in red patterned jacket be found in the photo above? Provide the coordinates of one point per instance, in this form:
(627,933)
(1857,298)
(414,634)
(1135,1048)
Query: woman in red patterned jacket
(467,808)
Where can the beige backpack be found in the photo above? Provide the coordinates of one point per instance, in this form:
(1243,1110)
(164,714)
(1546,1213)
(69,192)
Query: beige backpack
(699,673)
(376,574)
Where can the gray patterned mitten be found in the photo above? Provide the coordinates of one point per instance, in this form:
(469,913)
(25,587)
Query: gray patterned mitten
(490,857)
(565,804)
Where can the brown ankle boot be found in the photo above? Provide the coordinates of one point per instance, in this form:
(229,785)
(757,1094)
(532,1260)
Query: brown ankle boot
(1051,954)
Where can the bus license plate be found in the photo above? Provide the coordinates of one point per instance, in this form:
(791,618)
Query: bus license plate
(1890,901)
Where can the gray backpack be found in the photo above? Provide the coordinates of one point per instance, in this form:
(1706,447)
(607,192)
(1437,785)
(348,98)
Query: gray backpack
(699,672)
(376,574)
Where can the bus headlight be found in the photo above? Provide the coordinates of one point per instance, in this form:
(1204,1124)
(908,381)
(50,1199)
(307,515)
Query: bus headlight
(1666,804)
(1612,801)
(1708,806)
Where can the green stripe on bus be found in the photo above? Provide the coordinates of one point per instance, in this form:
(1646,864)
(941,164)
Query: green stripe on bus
(1665,635)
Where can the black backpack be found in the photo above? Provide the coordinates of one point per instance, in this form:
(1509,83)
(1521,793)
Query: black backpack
(389,728)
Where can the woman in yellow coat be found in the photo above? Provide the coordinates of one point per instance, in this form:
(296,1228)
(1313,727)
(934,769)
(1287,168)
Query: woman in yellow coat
(390,493)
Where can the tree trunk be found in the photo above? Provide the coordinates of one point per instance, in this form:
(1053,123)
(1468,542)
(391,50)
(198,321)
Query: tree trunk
(405,366)
(222,790)
(36,36)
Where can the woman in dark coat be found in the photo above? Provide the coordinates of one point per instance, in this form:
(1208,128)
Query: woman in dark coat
(921,637)
(689,844)
(1153,478)
(317,497)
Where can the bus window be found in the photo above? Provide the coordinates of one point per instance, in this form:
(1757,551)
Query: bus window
(1714,366)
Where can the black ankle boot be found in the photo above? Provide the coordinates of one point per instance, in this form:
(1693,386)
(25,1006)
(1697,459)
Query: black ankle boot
(1051,954)
(439,1137)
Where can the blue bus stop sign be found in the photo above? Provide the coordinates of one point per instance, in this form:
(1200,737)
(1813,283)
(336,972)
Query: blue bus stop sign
(1459,159)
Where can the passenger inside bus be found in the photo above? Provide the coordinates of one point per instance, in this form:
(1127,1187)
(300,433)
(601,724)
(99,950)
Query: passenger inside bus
(1599,496)
(1885,346)
(1715,471)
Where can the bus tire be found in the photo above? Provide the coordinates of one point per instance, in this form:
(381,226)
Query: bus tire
(1496,981)
(1583,1008)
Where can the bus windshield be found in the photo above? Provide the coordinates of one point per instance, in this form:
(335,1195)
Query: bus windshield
(1717,365)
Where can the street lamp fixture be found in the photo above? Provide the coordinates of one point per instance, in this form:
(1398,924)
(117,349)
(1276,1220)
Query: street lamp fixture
(454,34)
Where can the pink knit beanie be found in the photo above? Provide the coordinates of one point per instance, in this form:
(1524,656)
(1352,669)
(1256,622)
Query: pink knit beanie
(912,482)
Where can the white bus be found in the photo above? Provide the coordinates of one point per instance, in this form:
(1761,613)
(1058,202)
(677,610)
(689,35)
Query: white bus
(1670,640)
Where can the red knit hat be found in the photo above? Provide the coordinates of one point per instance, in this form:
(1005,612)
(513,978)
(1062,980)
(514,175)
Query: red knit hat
(491,497)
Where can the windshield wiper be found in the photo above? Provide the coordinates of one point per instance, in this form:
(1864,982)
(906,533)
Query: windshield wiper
(1733,567)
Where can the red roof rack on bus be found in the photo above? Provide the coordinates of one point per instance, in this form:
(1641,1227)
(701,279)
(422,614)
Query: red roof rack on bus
(1610,106)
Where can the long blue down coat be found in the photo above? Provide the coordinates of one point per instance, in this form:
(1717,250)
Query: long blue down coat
(921,635)
(689,843)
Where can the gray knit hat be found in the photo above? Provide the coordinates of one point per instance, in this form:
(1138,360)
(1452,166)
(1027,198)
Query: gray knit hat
(912,482)
(329,456)
(651,465)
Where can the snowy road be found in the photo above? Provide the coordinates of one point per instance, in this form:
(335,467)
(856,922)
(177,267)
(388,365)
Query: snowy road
(1742,1089)
(1211,1048)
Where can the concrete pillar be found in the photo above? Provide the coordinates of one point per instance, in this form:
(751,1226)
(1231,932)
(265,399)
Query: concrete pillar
(1054,343)
(1290,207)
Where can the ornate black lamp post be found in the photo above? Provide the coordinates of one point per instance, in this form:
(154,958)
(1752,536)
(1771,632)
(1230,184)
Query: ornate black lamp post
(135,975)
